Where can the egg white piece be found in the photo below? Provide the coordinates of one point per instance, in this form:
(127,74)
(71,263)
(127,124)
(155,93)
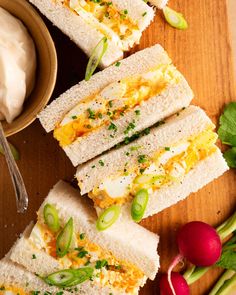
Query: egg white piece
(118,187)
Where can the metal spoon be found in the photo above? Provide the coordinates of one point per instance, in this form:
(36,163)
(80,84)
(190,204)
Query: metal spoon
(17,180)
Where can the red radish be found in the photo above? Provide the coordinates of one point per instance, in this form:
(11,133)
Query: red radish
(199,243)
(180,285)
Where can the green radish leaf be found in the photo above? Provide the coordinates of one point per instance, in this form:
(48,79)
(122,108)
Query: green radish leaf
(227,130)
(228,256)
(230,157)
(14,151)
(96,57)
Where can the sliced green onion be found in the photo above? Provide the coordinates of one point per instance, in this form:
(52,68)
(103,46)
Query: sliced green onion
(108,217)
(51,217)
(139,205)
(64,239)
(96,57)
(14,151)
(175,19)
(69,277)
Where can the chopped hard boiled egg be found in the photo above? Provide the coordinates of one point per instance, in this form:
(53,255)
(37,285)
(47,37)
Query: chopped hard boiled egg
(8,290)
(113,101)
(167,165)
(118,187)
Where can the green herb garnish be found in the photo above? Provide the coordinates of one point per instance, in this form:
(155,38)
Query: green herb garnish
(14,151)
(91,114)
(96,57)
(64,239)
(101,263)
(108,218)
(51,217)
(113,127)
(175,19)
(227,133)
(142,159)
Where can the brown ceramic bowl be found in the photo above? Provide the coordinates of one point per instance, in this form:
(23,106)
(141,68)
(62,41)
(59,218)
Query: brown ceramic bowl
(46,64)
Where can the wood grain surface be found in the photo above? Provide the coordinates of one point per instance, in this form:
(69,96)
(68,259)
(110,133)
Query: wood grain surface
(203,54)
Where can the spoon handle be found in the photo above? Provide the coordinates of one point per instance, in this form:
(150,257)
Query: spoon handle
(17,180)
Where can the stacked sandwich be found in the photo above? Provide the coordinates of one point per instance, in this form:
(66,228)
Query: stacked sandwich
(149,169)
(64,254)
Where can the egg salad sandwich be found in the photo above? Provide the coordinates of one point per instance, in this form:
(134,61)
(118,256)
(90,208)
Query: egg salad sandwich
(66,250)
(87,22)
(95,115)
(157,170)
(16,280)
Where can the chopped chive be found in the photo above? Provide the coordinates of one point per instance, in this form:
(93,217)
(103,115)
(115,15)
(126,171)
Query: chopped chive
(91,114)
(118,63)
(112,126)
(82,236)
(142,159)
(101,162)
(167,148)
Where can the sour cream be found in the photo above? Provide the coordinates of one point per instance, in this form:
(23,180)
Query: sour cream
(17,65)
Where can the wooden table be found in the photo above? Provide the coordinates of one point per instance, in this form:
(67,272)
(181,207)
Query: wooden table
(203,54)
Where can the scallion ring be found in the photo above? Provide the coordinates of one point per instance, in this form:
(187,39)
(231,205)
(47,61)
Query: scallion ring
(64,239)
(108,217)
(14,151)
(139,205)
(175,19)
(69,277)
(96,57)
(51,217)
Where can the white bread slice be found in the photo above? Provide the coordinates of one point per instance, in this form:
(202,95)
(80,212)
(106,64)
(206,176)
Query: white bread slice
(86,36)
(168,102)
(13,275)
(127,241)
(159,3)
(137,63)
(189,122)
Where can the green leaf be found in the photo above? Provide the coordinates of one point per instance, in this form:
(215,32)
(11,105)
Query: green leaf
(228,256)
(227,130)
(14,151)
(230,157)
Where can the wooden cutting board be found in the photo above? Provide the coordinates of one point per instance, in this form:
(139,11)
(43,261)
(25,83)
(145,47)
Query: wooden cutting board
(203,54)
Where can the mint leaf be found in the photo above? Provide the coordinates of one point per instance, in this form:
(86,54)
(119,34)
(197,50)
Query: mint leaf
(230,157)
(228,256)
(227,130)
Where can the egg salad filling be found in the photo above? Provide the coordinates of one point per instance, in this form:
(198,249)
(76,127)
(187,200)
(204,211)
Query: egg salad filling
(166,166)
(83,253)
(112,102)
(107,19)
(10,290)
